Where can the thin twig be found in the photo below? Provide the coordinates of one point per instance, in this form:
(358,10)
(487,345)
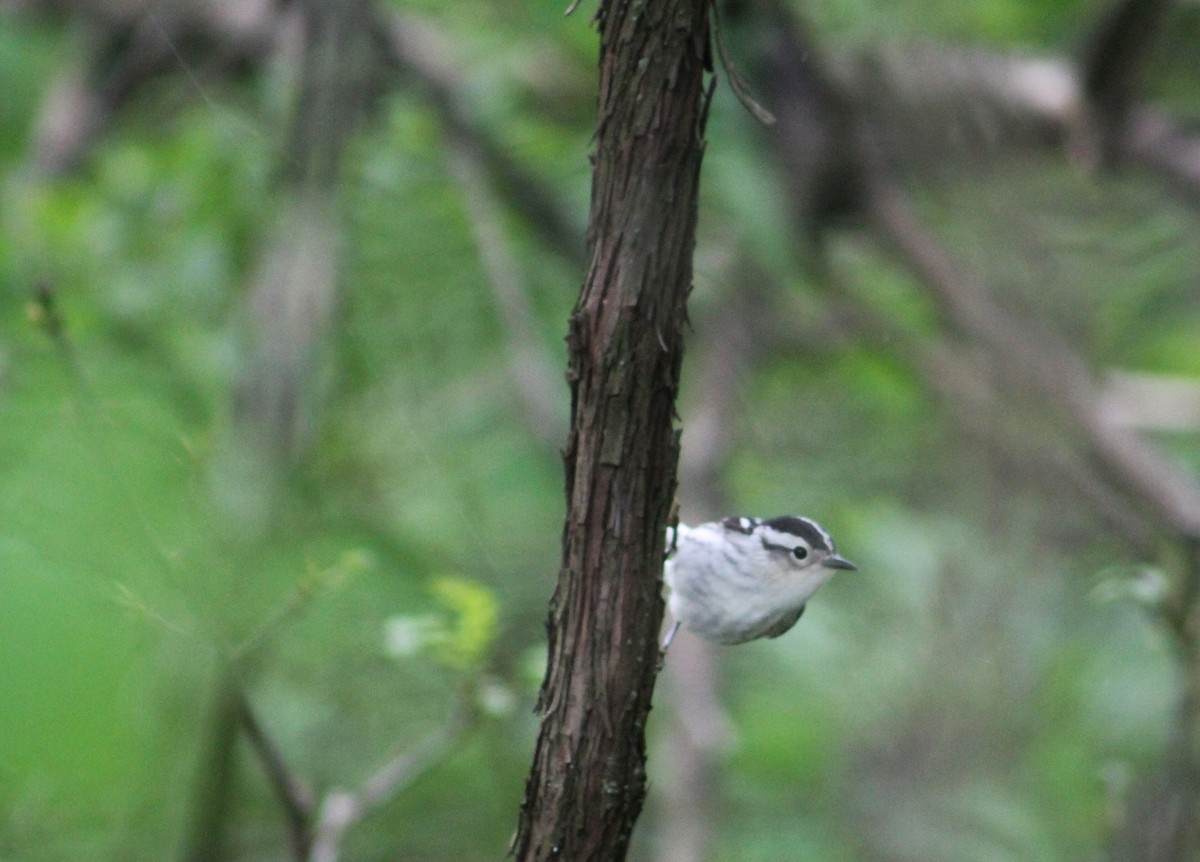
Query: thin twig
(737,82)
(297,798)
(341,809)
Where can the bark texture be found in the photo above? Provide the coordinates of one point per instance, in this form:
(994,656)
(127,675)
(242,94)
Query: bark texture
(587,782)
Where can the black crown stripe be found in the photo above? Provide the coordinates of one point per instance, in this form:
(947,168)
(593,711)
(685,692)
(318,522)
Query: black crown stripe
(804,528)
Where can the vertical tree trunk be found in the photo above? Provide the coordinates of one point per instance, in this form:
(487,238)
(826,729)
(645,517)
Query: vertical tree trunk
(587,782)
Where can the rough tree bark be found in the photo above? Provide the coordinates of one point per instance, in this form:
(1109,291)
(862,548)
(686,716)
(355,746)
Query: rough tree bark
(587,782)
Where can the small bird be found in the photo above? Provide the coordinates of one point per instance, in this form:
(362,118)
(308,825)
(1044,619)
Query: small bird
(739,579)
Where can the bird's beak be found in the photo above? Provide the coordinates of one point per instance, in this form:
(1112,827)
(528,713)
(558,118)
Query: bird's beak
(836,562)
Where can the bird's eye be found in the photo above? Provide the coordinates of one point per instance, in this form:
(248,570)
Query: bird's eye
(800,552)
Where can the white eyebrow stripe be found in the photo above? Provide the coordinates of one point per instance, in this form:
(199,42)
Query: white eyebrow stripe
(779,539)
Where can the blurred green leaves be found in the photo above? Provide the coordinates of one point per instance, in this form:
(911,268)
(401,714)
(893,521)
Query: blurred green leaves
(457,637)
(970,693)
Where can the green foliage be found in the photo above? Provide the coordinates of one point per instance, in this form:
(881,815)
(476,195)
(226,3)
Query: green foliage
(26,57)
(1043,23)
(460,637)
(980,690)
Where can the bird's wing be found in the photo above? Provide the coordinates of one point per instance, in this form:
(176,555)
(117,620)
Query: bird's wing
(785,623)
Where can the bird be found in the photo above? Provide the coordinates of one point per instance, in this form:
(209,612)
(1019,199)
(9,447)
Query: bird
(740,579)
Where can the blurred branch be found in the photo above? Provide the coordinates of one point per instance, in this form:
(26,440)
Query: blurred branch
(1042,361)
(292,297)
(1115,60)
(698,735)
(294,292)
(339,86)
(341,809)
(1024,350)
(927,106)
(492,179)
(813,113)
(1023,354)
(294,795)
(967,385)
(532,370)
(316,831)
(1152,401)
(316,583)
(121,47)
(700,732)
(209,825)
(966,382)
(418,49)
(1155,141)
(1112,74)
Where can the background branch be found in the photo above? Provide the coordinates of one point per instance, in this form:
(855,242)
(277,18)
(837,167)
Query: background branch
(537,382)
(341,809)
(296,797)
(418,50)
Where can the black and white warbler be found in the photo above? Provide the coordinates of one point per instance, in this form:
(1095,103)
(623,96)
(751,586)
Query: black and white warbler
(739,579)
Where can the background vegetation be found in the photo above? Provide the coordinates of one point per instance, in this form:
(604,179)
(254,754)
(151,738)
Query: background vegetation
(1006,678)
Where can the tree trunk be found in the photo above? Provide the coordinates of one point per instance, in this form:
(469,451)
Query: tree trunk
(587,782)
